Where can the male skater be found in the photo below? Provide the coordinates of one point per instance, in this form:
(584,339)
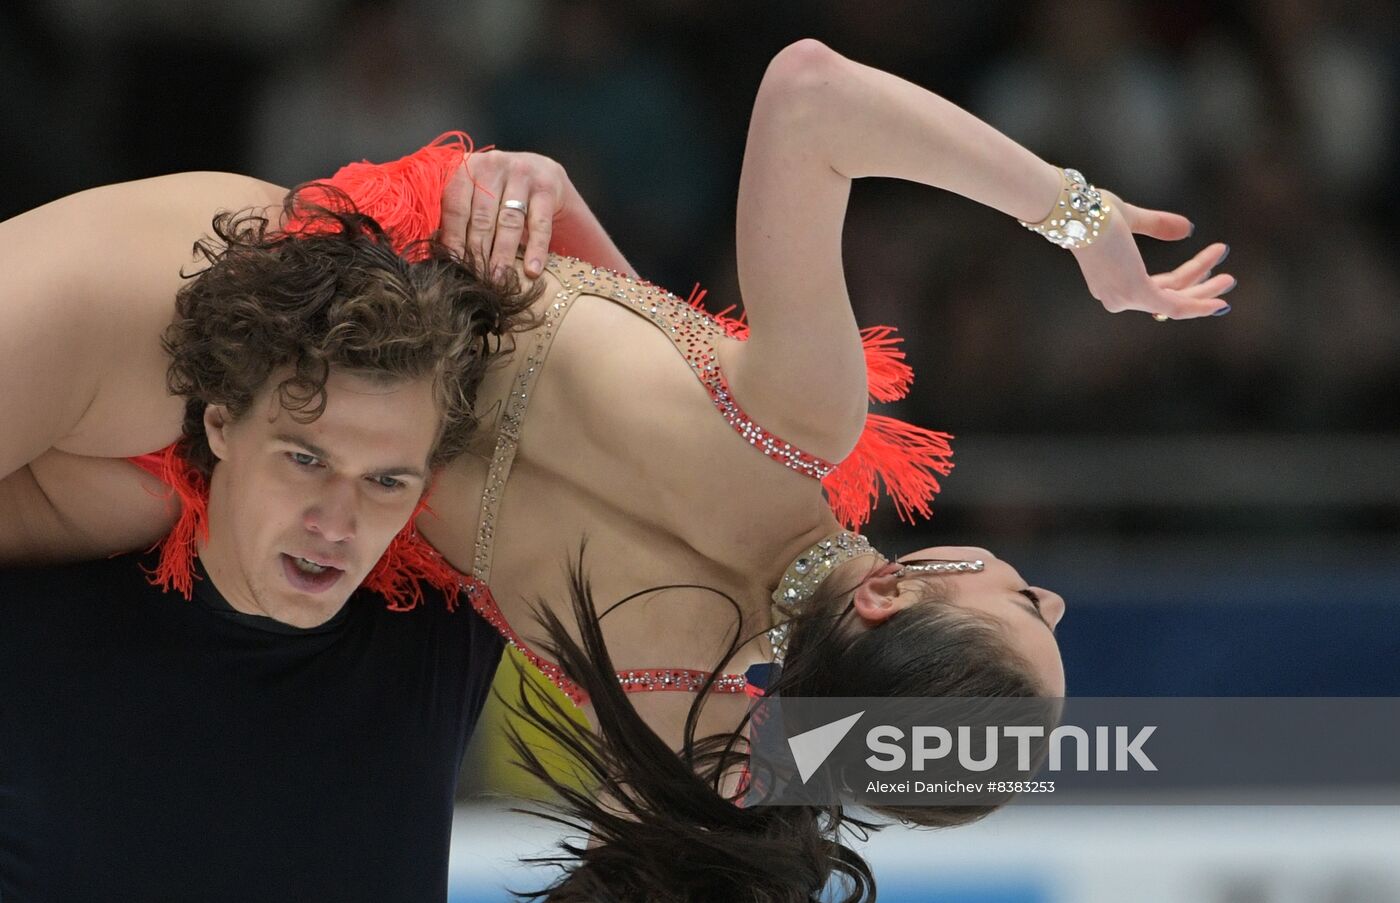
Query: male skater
(255,727)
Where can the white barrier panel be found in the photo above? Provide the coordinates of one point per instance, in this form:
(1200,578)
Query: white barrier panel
(1158,854)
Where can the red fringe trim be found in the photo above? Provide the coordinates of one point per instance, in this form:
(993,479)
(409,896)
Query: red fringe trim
(903,459)
(734,327)
(175,569)
(409,560)
(404,196)
(887,375)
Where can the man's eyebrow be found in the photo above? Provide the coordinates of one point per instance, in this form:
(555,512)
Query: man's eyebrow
(297,440)
(401,470)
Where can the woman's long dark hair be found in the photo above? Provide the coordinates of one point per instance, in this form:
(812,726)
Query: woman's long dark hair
(663,831)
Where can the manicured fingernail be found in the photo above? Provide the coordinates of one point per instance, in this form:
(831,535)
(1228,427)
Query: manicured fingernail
(536,267)
(1192,232)
(1223,256)
(1222,311)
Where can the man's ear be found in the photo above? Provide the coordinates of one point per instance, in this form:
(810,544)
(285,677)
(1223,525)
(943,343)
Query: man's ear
(875,598)
(216,423)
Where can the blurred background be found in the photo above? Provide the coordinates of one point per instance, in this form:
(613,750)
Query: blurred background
(1219,500)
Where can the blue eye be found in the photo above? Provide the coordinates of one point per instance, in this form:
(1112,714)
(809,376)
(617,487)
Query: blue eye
(388,483)
(302,459)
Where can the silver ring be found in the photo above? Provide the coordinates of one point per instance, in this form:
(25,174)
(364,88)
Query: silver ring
(516,205)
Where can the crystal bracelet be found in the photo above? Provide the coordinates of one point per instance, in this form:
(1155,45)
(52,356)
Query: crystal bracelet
(1079,214)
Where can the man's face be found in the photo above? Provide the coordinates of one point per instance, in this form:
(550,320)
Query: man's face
(300,512)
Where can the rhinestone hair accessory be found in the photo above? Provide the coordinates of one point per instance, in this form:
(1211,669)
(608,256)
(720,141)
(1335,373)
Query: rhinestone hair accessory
(804,575)
(948,566)
(799,583)
(1079,213)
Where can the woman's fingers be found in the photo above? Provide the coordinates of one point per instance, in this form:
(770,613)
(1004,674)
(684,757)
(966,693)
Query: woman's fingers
(544,208)
(1113,268)
(506,199)
(1203,300)
(456,211)
(1182,307)
(1215,286)
(486,202)
(1195,270)
(510,224)
(1158,224)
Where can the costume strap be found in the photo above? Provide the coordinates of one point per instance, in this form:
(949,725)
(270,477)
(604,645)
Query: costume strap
(527,370)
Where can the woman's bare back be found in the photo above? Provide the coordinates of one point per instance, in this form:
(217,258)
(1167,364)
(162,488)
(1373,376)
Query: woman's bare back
(623,447)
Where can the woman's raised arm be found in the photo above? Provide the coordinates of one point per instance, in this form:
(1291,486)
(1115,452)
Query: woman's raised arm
(820,121)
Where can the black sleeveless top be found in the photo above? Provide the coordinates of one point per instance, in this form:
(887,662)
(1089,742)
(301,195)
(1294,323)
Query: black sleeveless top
(159,749)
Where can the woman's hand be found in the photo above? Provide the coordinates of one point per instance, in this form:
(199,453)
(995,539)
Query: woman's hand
(475,222)
(1117,277)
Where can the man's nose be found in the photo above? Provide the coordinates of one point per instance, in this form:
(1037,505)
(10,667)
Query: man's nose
(332,515)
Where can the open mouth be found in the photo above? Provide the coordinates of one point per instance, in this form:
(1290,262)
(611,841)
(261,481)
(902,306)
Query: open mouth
(308,575)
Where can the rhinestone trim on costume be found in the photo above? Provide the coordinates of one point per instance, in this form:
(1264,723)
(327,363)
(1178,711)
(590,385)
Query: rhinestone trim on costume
(508,433)
(633,680)
(694,333)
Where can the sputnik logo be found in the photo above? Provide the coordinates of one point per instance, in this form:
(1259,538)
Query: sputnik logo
(811,748)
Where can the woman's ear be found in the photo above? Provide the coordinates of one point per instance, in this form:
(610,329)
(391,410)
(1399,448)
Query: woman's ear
(875,598)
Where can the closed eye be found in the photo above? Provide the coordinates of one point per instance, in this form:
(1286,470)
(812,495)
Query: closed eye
(1035,602)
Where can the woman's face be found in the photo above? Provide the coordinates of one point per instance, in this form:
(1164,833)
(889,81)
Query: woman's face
(1026,614)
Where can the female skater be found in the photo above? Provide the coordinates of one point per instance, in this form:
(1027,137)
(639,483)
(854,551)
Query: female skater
(688,458)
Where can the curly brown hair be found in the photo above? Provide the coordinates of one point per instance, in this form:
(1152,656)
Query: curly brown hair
(332,293)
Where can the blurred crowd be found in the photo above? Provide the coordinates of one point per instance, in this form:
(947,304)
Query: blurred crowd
(1272,124)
